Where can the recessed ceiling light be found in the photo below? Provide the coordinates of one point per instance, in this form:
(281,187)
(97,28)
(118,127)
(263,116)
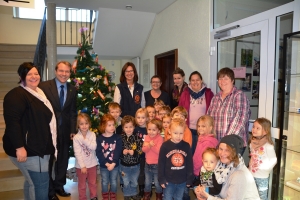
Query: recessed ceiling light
(128,7)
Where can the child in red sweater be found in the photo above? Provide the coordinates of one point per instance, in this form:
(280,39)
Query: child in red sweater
(151,147)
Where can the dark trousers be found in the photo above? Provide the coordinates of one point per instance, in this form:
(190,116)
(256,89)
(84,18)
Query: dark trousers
(141,179)
(60,165)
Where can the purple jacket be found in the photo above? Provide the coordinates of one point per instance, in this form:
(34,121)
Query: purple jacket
(185,100)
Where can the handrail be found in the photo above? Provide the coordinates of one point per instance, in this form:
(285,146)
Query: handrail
(40,51)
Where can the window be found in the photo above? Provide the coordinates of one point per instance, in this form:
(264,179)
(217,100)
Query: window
(63,14)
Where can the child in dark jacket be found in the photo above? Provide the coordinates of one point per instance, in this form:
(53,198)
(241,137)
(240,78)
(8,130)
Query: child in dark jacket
(207,176)
(130,158)
(109,148)
(175,164)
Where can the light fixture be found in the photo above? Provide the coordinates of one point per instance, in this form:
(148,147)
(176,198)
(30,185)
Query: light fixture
(128,7)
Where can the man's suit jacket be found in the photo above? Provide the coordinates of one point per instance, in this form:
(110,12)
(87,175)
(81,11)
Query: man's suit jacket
(67,114)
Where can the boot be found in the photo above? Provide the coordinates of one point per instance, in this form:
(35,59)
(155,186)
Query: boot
(105,196)
(158,196)
(141,188)
(146,196)
(113,196)
(136,197)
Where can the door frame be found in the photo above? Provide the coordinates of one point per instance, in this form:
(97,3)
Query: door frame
(268,38)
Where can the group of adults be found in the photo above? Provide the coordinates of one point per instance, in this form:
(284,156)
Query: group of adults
(40,120)
(37,112)
(229,108)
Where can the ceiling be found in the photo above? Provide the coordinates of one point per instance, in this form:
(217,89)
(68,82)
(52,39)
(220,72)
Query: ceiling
(120,33)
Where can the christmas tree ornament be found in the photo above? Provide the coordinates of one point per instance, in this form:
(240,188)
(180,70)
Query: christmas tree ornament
(74,66)
(100,94)
(105,80)
(84,110)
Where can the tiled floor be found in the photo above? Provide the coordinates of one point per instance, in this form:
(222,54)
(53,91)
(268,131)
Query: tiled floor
(69,187)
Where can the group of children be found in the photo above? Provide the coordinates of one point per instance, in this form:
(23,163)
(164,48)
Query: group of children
(155,146)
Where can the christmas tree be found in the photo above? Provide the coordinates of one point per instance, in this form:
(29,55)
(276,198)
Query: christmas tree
(92,81)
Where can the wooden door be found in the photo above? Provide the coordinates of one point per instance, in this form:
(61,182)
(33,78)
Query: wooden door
(165,63)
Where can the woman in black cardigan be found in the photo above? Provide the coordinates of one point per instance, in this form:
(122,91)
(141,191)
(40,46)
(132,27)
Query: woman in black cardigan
(30,133)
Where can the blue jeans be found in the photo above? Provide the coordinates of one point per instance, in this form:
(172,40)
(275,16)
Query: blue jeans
(35,172)
(262,185)
(109,178)
(174,191)
(151,174)
(194,140)
(130,177)
(120,174)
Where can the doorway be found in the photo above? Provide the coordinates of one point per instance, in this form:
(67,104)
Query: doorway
(165,63)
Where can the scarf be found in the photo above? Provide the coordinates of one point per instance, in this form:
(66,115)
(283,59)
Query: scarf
(257,142)
(223,171)
(42,97)
(176,93)
(206,177)
(196,95)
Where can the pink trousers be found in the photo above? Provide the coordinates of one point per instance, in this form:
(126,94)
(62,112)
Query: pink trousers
(91,177)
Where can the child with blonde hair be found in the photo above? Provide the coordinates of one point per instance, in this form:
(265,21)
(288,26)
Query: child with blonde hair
(130,158)
(166,120)
(151,147)
(175,162)
(109,149)
(180,112)
(164,110)
(84,144)
(141,119)
(151,112)
(207,176)
(205,130)
(157,105)
(263,156)
(115,110)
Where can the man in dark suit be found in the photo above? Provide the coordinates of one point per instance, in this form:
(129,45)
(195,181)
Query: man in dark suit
(62,96)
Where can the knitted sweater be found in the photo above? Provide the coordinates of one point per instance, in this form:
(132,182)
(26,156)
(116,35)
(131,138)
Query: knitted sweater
(132,142)
(175,163)
(84,150)
(262,161)
(152,152)
(109,149)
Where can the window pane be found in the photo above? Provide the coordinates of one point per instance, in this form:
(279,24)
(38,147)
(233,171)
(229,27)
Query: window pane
(33,13)
(228,11)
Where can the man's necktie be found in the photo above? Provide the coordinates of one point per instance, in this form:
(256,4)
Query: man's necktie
(61,96)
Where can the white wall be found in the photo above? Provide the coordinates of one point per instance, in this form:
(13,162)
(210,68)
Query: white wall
(184,26)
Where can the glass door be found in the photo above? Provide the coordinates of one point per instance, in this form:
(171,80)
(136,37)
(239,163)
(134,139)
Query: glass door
(289,183)
(246,51)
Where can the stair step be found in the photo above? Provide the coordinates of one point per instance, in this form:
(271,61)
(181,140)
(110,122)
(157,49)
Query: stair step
(12,195)
(8,77)
(16,47)
(17,54)
(11,180)
(12,68)
(14,62)
(5,163)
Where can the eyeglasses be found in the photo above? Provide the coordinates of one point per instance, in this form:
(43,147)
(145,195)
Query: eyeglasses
(129,71)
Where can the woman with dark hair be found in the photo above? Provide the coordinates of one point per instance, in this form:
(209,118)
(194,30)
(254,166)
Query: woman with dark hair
(237,181)
(196,100)
(156,93)
(30,133)
(179,86)
(129,93)
(230,108)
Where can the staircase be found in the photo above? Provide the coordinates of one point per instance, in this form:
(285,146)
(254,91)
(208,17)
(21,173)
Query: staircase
(11,56)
